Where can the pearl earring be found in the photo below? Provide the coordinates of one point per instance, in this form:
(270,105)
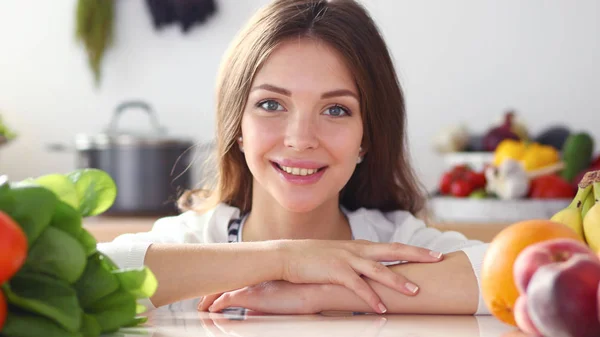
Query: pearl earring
(240,144)
(360,158)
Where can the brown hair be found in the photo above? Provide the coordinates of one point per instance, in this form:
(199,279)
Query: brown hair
(385,179)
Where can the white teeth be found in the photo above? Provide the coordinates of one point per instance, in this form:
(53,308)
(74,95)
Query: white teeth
(298,171)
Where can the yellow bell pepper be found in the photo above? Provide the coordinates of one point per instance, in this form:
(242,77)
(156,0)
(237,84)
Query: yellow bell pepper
(532,155)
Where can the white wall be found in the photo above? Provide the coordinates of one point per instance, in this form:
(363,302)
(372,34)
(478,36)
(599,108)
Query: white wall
(458,60)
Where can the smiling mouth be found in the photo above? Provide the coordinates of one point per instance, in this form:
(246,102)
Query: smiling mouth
(297,171)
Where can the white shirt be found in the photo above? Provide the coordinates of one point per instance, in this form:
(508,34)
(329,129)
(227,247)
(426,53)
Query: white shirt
(129,250)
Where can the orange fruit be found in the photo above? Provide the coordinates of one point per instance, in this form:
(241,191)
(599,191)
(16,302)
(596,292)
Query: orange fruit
(498,287)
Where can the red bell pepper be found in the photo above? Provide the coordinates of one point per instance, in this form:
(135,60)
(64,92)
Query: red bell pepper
(551,186)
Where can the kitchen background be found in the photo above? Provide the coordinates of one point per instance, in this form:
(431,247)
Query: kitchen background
(460,61)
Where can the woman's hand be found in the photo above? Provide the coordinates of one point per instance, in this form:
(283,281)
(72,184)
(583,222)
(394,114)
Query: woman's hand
(343,263)
(273,297)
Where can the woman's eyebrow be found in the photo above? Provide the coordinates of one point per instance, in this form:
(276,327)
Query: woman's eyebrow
(285,92)
(338,93)
(273,88)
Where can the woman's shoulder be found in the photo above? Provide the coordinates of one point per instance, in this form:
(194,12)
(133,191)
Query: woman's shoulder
(210,224)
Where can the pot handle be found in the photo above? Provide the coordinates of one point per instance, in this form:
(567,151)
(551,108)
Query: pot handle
(112,126)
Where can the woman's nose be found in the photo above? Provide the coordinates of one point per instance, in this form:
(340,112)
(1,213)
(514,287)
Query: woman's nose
(301,133)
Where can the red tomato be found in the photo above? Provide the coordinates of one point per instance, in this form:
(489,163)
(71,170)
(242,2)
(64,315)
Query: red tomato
(461,188)
(13,247)
(446,182)
(3,310)
(477,179)
(460,168)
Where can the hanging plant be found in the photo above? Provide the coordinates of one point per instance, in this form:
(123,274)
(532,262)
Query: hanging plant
(94,29)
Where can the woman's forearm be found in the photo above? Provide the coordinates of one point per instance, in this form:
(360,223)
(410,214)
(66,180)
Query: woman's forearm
(446,287)
(186,271)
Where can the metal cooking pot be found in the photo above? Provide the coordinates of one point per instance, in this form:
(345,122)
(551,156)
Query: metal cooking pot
(150,170)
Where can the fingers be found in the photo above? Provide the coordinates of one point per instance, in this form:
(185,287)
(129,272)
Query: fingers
(229,299)
(207,301)
(352,281)
(382,274)
(398,252)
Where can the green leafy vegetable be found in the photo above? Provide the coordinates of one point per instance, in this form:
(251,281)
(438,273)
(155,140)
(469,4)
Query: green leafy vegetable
(87,241)
(66,286)
(46,296)
(7,201)
(57,254)
(96,282)
(90,191)
(67,219)
(24,324)
(114,310)
(90,326)
(96,190)
(33,208)
(61,186)
(139,282)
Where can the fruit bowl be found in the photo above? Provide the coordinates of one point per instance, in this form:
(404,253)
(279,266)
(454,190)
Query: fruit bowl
(488,210)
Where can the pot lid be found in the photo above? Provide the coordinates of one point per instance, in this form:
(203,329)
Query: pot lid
(114,136)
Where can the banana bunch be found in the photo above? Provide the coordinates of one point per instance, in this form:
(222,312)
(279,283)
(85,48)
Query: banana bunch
(94,29)
(583,213)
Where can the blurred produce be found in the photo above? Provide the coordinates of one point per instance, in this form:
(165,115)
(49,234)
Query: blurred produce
(94,23)
(508,180)
(6,133)
(462,181)
(515,163)
(550,186)
(532,155)
(452,139)
(554,136)
(499,133)
(475,144)
(518,126)
(578,152)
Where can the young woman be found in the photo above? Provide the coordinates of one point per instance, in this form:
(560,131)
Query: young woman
(312,144)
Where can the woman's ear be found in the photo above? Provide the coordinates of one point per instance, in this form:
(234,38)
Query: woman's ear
(240,143)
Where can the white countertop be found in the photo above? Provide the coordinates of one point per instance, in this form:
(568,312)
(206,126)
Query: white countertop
(242,323)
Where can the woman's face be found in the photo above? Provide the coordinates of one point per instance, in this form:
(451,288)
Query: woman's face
(302,126)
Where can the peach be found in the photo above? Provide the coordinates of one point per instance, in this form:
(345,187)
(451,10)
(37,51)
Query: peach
(522,317)
(562,298)
(540,254)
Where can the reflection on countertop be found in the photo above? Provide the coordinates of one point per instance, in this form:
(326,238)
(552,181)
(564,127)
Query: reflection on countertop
(242,323)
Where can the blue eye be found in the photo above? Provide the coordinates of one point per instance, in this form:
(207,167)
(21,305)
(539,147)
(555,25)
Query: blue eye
(337,111)
(270,105)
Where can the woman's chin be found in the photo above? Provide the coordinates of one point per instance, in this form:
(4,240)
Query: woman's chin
(298,206)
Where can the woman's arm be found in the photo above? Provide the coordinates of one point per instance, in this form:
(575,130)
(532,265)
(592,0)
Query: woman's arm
(446,287)
(187,271)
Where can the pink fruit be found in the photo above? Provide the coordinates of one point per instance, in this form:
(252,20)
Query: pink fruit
(522,317)
(540,254)
(562,298)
